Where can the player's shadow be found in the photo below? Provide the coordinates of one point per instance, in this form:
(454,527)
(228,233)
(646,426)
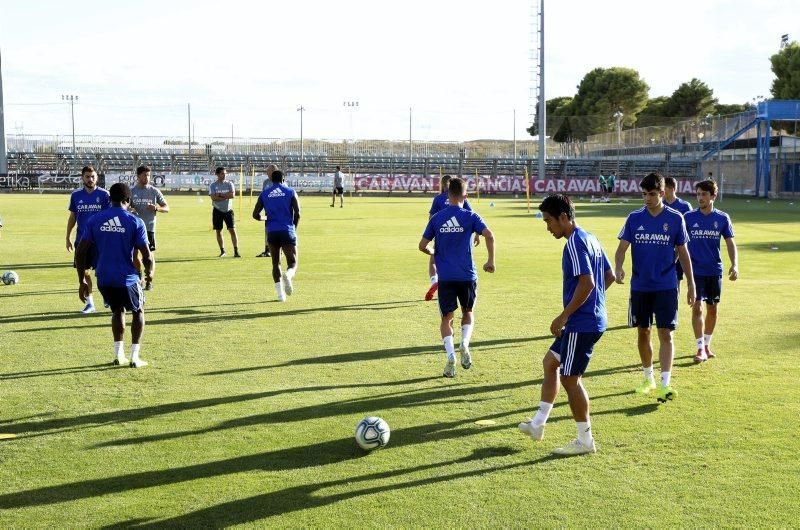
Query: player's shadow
(34,266)
(38,428)
(55,371)
(313,495)
(306,456)
(39,293)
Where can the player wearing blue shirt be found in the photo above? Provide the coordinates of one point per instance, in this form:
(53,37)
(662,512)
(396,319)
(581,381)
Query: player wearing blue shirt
(706,226)
(676,203)
(267,183)
(83,204)
(654,233)
(440,202)
(279,203)
(587,275)
(114,234)
(452,230)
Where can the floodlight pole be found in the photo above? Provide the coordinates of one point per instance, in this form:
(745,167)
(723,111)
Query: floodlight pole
(542,118)
(3,157)
(301,109)
(72,99)
(410,143)
(618,116)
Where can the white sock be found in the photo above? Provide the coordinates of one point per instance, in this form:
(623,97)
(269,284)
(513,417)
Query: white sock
(648,372)
(543,413)
(90,300)
(279,289)
(434,279)
(699,343)
(449,348)
(291,272)
(466,335)
(665,376)
(585,432)
(119,348)
(135,351)
(707,340)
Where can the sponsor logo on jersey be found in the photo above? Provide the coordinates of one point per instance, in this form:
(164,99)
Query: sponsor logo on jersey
(112,225)
(451,226)
(640,228)
(666,227)
(695,225)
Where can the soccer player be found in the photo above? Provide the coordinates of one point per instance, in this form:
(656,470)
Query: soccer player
(452,229)
(676,203)
(611,181)
(587,275)
(114,234)
(440,201)
(601,180)
(282,208)
(654,234)
(706,226)
(338,188)
(83,204)
(222,193)
(146,202)
(267,183)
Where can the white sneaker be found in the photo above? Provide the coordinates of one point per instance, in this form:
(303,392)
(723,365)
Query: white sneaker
(138,363)
(575,447)
(287,284)
(88,309)
(466,358)
(450,369)
(534,431)
(120,360)
(281,297)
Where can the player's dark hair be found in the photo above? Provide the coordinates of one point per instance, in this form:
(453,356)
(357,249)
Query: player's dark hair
(670,182)
(707,185)
(142,169)
(86,169)
(338,168)
(120,192)
(277,176)
(455,186)
(219,170)
(445,180)
(653,181)
(555,204)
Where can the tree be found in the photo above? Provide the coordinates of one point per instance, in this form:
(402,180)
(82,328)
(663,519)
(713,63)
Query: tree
(786,67)
(734,108)
(556,107)
(601,93)
(691,99)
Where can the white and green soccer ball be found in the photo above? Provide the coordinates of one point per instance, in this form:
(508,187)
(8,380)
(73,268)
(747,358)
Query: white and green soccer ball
(10,278)
(372,433)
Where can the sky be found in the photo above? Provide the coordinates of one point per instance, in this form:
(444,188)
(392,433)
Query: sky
(452,70)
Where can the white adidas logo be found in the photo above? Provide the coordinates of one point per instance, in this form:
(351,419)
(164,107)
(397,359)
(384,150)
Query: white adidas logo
(277,192)
(112,225)
(695,225)
(640,227)
(451,226)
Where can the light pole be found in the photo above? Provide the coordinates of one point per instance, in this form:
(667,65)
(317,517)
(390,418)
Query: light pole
(351,106)
(72,99)
(618,116)
(301,109)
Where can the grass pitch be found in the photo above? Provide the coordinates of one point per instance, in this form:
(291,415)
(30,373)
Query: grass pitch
(246,413)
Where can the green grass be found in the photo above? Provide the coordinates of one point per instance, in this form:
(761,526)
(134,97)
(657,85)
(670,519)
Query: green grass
(246,413)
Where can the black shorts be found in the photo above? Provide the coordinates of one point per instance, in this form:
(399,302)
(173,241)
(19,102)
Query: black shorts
(338,190)
(453,294)
(218,217)
(281,237)
(574,350)
(151,239)
(119,298)
(91,256)
(644,304)
(708,288)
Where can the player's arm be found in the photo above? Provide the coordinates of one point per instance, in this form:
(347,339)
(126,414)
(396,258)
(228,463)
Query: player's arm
(147,261)
(295,211)
(489,237)
(686,263)
(733,256)
(582,292)
(81,254)
(160,206)
(619,260)
(71,221)
(424,248)
(257,209)
(608,279)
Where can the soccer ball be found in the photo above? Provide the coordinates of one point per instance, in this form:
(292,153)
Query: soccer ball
(10,278)
(372,433)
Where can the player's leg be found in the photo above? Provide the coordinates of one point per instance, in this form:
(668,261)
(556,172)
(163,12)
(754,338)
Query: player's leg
(434,279)
(220,242)
(266,252)
(550,383)
(713,287)
(275,254)
(118,330)
(640,314)
(333,197)
(467,296)
(134,302)
(697,327)
(151,238)
(666,312)
(216,223)
(341,197)
(289,249)
(448,303)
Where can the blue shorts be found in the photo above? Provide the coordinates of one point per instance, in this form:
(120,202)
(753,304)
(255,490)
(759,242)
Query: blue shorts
(574,350)
(453,294)
(120,298)
(281,237)
(644,304)
(708,288)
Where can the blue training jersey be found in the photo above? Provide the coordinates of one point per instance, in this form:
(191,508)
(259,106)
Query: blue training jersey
(583,254)
(452,230)
(277,202)
(440,203)
(679,204)
(115,232)
(653,241)
(705,231)
(84,205)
